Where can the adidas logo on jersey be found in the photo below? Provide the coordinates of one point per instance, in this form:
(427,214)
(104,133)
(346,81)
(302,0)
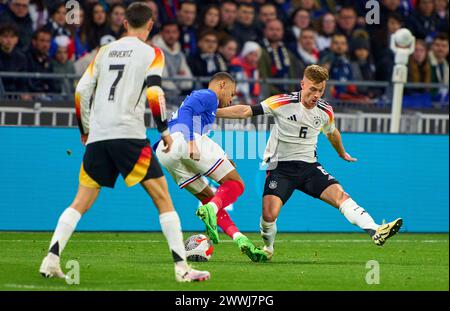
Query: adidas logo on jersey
(293,118)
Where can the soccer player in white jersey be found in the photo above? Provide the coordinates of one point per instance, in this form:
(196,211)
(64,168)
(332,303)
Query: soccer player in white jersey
(292,160)
(120,79)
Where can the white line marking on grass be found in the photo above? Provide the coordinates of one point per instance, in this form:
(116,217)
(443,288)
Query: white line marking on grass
(230,241)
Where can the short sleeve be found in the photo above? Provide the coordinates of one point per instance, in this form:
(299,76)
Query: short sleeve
(329,125)
(157,65)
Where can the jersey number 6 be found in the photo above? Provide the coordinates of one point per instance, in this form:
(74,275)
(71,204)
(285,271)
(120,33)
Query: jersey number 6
(303,131)
(120,69)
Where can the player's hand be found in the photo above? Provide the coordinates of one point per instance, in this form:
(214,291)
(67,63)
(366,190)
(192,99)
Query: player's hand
(348,157)
(84,138)
(194,153)
(167,143)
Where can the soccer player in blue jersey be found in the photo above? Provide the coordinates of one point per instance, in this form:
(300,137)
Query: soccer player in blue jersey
(194,154)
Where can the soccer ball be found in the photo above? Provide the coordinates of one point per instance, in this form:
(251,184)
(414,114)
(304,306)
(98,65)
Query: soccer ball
(198,248)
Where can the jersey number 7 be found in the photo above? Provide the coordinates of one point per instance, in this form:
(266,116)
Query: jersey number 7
(120,69)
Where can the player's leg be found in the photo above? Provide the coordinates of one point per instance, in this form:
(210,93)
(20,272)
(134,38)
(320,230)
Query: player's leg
(171,228)
(324,186)
(356,215)
(137,164)
(268,226)
(97,170)
(225,222)
(278,188)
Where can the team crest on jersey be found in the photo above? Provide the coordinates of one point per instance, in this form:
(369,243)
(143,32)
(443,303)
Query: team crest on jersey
(317,121)
(273,184)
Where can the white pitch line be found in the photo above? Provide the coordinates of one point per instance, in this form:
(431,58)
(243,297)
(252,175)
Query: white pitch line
(230,241)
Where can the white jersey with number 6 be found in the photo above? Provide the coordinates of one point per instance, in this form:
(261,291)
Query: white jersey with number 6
(294,136)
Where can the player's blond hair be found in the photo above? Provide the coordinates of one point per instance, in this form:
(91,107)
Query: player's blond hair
(316,74)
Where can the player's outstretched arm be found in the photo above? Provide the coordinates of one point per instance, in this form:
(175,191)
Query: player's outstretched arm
(336,141)
(235,112)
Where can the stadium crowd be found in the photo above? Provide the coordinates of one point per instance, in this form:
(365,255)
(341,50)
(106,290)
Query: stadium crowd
(250,39)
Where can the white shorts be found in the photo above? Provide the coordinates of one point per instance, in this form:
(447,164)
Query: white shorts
(186,172)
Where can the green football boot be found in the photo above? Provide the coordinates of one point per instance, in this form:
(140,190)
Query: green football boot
(248,248)
(208,216)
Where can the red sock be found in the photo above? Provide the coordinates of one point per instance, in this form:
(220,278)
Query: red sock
(227,193)
(224,221)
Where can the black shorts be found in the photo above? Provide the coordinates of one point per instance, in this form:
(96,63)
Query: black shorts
(288,176)
(104,160)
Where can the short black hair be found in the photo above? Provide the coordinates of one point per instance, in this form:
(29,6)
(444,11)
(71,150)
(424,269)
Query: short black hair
(43,29)
(222,75)
(170,22)
(441,36)
(9,29)
(138,14)
(188,2)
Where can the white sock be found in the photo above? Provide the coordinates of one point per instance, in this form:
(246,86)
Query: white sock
(268,232)
(66,225)
(356,215)
(237,235)
(171,228)
(216,209)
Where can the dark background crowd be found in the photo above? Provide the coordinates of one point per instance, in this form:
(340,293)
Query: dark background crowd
(251,39)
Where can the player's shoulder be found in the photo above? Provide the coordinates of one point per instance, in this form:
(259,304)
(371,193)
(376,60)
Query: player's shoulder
(277,101)
(325,107)
(204,95)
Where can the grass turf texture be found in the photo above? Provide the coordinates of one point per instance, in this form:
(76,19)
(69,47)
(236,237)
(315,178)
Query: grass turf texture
(303,261)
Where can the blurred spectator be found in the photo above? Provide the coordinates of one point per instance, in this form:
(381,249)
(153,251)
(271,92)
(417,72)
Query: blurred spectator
(83,63)
(276,60)
(312,6)
(363,66)
(38,13)
(244,29)
(228,48)
(78,45)
(300,19)
(175,61)
(38,61)
(186,19)
(424,22)
(267,12)
(116,17)
(206,62)
(305,48)
(96,26)
(17,13)
(327,28)
(155,17)
(61,64)
(245,66)
(167,10)
(11,58)
(57,21)
(228,15)
(419,68)
(441,9)
(341,70)
(381,50)
(346,22)
(439,63)
(209,19)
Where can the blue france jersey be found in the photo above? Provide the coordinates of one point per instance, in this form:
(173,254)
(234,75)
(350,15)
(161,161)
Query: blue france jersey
(196,114)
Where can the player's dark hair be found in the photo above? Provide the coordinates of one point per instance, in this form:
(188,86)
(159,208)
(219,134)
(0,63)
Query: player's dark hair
(9,29)
(222,76)
(138,14)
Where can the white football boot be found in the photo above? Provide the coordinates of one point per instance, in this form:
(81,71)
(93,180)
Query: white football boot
(187,274)
(268,253)
(50,267)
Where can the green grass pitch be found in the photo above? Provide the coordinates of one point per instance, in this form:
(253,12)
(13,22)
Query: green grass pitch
(303,261)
